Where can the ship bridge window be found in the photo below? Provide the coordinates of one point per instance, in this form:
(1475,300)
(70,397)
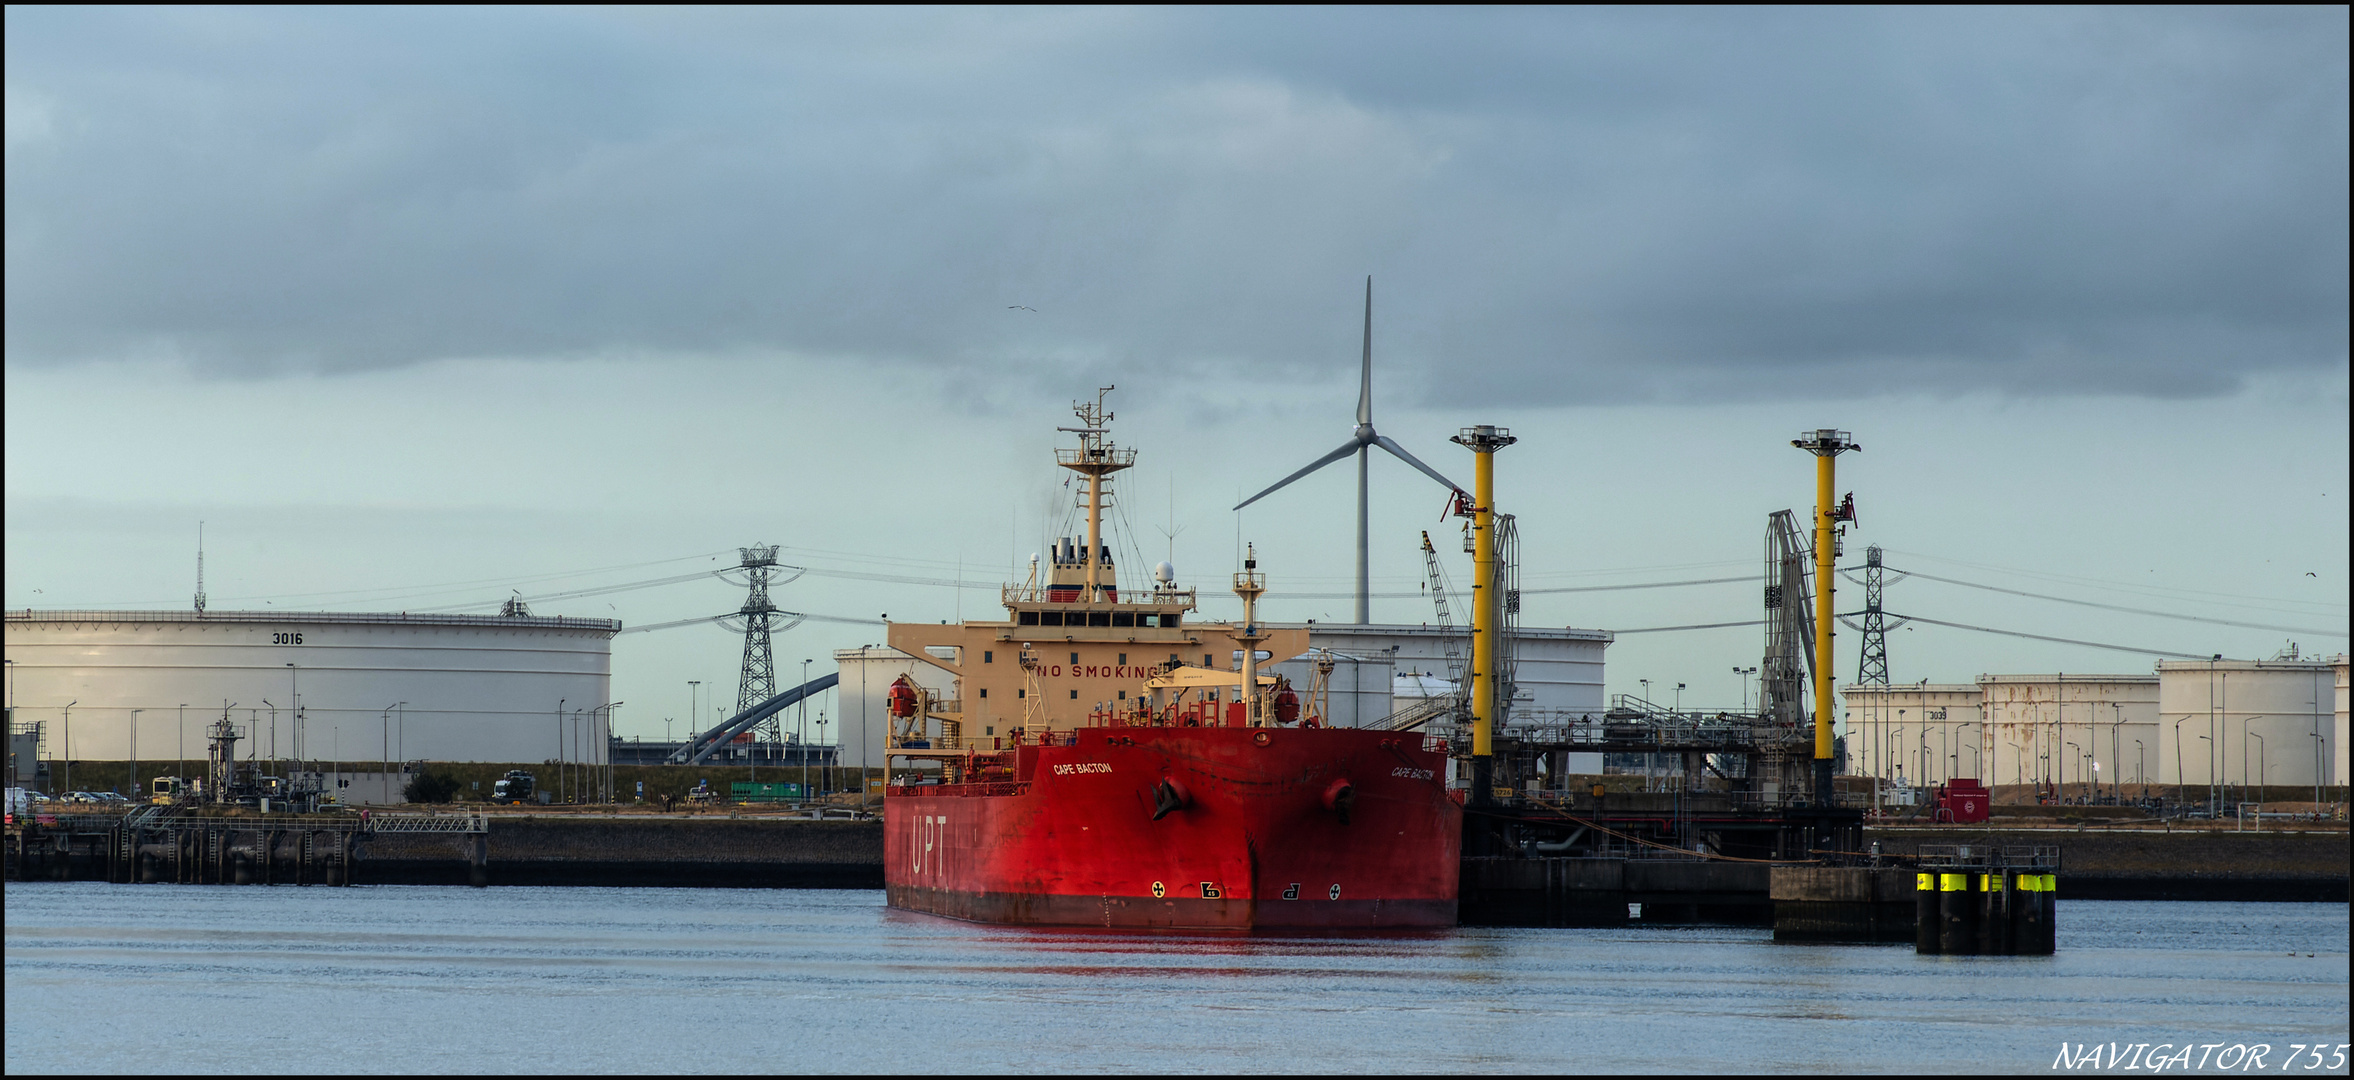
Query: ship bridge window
(1099,618)
(1122,618)
(1169,621)
(1029,618)
(1050,618)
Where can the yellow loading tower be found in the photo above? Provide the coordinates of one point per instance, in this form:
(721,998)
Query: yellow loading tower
(1486,674)
(1826,444)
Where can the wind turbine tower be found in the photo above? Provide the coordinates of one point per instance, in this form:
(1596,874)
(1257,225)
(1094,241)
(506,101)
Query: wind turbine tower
(1361,443)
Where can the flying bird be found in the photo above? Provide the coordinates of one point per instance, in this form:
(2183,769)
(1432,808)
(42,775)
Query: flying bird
(1021,307)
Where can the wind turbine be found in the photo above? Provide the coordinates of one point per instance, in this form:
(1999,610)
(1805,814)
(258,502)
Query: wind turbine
(1360,443)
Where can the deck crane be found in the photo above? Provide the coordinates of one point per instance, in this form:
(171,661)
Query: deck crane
(1438,597)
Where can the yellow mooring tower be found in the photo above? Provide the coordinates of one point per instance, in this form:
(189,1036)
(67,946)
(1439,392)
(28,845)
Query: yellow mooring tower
(1487,616)
(1826,445)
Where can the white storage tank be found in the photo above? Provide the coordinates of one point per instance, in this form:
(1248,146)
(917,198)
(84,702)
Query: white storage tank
(2226,720)
(320,687)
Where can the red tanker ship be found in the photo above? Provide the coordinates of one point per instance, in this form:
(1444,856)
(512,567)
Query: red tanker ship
(1085,771)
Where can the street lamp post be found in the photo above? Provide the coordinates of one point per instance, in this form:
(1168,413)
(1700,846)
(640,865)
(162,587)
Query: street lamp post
(824,773)
(2213,808)
(182,765)
(604,736)
(2260,778)
(2179,778)
(2141,775)
(133,783)
(572,765)
(1679,699)
(2078,757)
(294,712)
(1896,739)
(2320,751)
(2116,747)
(65,781)
(802,735)
(1745,673)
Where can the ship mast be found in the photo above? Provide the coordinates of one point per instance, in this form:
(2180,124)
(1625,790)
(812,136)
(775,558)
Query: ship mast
(1249,585)
(1096,459)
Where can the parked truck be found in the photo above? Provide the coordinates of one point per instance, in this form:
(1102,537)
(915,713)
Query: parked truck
(515,787)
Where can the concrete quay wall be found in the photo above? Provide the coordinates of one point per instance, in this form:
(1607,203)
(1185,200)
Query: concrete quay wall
(700,851)
(2141,864)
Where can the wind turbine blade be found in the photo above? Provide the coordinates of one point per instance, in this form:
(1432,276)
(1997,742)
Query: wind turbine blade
(1347,448)
(1386,443)
(1365,387)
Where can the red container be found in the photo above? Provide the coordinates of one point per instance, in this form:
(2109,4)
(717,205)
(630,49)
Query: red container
(1964,802)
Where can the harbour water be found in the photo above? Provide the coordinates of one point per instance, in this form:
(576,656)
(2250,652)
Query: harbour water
(124,978)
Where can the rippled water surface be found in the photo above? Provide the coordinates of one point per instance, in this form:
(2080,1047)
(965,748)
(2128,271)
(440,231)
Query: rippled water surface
(129,978)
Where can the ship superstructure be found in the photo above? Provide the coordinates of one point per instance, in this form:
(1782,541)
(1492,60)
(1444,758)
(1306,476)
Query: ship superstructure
(1106,759)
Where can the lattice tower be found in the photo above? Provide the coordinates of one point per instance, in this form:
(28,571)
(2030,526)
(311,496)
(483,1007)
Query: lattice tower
(1873,667)
(758,681)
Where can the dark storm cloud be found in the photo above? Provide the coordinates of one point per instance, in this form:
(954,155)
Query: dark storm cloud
(1560,206)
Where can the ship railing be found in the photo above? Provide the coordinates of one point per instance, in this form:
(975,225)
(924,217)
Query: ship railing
(931,742)
(1116,456)
(981,742)
(1159,596)
(1418,713)
(992,789)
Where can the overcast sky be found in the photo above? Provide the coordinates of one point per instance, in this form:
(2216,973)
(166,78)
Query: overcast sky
(400,298)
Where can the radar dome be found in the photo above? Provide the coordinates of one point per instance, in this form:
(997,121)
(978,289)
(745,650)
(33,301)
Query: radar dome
(1164,573)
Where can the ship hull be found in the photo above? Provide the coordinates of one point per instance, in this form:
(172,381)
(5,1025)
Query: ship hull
(1280,828)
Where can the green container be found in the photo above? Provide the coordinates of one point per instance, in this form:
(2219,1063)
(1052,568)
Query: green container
(748,792)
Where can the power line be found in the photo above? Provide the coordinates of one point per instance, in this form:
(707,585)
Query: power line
(1694,626)
(2129,610)
(1524,592)
(2239,600)
(1644,585)
(601,590)
(797,616)
(2061,640)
